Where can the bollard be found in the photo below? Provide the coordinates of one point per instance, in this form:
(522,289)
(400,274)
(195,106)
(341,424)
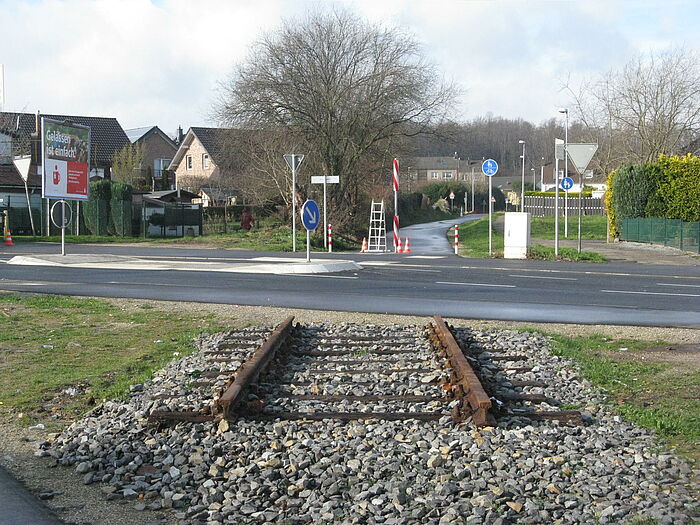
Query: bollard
(456,239)
(330,238)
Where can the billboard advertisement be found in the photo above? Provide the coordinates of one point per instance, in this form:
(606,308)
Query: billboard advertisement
(66,152)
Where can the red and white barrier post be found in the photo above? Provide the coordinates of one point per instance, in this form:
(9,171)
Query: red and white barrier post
(397,239)
(330,238)
(456,239)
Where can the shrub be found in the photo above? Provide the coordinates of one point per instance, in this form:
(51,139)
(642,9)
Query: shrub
(677,188)
(608,204)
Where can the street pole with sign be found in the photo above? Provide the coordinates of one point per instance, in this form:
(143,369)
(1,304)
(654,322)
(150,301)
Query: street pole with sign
(489,168)
(22,164)
(310,218)
(522,182)
(558,155)
(581,155)
(294,161)
(327,179)
(61,219)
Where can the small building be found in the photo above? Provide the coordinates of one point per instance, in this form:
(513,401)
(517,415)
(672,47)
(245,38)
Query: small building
(218,197)
(199,158)
(171,213)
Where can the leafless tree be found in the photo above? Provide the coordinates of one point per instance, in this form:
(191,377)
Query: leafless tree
(648,107)
(127,165)
(340,87)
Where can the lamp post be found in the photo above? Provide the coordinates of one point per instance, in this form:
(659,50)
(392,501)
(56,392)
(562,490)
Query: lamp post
(522,187)
(542,175)
(565,111)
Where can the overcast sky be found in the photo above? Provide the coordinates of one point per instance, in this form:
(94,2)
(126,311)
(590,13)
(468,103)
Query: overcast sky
(157,62)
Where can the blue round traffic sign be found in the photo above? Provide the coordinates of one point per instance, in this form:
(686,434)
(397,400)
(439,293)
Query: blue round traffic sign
(489,167)
(310,215)
(567,183)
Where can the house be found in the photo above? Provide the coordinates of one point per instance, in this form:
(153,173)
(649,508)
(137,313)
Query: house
(596,180)
(419,171)
(198,160)
(217,197)
(106,137)
(158,152)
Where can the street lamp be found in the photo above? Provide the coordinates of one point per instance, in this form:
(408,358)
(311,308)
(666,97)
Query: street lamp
(522,187)
(534,184)
(565,111)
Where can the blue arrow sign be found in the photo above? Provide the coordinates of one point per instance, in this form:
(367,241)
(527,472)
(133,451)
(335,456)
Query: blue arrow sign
(310,215)
(489,167)
(567,183)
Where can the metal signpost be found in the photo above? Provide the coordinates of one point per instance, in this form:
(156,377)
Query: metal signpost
(61,217)
(310,218)
(22,164)
(489,167)
(566,184)
(581,155)
(559,154)
(294,161)
(328,179)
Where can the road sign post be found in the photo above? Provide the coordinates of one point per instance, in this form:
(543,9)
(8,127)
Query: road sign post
(310,218)
(61,219)
(327,179)
(559,154)
(581,155)
(294,161)
(566,184)
(489,168)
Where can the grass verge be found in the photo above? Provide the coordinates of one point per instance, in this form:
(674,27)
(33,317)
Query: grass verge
(474,242)
(650,392)
(593,227)
(52,344)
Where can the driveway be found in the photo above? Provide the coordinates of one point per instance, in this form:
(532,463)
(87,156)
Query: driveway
(430,238)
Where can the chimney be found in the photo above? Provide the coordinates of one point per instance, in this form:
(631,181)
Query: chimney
(180,136)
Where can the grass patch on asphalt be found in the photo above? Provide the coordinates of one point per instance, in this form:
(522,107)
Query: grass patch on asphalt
(593,227)
(474,242)
(651,394)
(50,344)
(545,253)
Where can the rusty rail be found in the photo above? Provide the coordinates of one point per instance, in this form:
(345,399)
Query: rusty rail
(466,385)
(251,369)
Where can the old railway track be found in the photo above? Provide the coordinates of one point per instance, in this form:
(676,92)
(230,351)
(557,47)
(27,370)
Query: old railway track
(351,372)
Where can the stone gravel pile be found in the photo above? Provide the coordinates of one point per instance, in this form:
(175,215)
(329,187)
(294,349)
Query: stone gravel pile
(389,472)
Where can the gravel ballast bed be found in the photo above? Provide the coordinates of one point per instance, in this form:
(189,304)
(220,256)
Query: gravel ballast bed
(385,471)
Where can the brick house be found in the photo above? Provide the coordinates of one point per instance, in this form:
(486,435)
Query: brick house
(198,159)
(158,152)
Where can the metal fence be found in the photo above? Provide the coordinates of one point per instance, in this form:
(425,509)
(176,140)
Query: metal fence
(119,218)
(669,232)
(543,206)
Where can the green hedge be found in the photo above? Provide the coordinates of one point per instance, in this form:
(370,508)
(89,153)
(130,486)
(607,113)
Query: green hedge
(667,188)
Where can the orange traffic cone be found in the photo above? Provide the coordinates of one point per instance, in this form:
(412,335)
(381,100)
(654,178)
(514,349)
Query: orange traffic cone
(364,245)
(398,247)
(8,238)
(407,246)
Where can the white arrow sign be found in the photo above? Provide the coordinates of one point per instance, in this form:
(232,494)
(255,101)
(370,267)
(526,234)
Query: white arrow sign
(581,155)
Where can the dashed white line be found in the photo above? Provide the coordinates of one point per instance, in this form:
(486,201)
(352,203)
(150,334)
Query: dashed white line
(652,293)
(544,277)
(479,284)
(684,285)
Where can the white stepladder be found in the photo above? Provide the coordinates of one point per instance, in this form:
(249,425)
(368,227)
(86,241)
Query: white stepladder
(377,228)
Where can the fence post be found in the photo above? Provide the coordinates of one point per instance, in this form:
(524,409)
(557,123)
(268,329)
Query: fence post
(681,225)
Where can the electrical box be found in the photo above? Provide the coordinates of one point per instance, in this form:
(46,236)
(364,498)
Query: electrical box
(516,235)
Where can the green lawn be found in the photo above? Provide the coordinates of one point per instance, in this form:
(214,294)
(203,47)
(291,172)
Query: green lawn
(649,393)
(593,227)
(474,242)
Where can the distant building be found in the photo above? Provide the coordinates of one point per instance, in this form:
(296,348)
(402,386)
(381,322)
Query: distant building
(159,150)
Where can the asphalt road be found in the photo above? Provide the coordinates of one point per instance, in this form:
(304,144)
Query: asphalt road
(535,291)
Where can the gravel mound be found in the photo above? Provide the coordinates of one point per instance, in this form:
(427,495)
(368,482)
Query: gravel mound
(389,472)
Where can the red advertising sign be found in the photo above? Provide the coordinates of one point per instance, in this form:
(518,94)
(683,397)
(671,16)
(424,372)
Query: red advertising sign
(66,154)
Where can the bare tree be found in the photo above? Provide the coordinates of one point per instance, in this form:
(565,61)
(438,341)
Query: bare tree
(342,88)
(127,165)
(650,106)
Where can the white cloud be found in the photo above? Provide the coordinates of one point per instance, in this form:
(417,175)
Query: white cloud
(159,62)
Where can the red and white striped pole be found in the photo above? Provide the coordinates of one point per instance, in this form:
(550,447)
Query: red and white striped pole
(397,239)
(330,238)
(456,239)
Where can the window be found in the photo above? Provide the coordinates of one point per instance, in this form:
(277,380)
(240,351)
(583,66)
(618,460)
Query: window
(434,174)
(446,174)
(205,161)
(188,162)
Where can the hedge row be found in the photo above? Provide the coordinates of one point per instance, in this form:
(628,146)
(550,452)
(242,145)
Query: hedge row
(667,188)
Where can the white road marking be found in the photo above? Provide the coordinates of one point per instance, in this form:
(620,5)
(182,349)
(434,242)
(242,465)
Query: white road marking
(544,277)
(479,284)
(326,276)
(652,293)
(684,285)
(576,272)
